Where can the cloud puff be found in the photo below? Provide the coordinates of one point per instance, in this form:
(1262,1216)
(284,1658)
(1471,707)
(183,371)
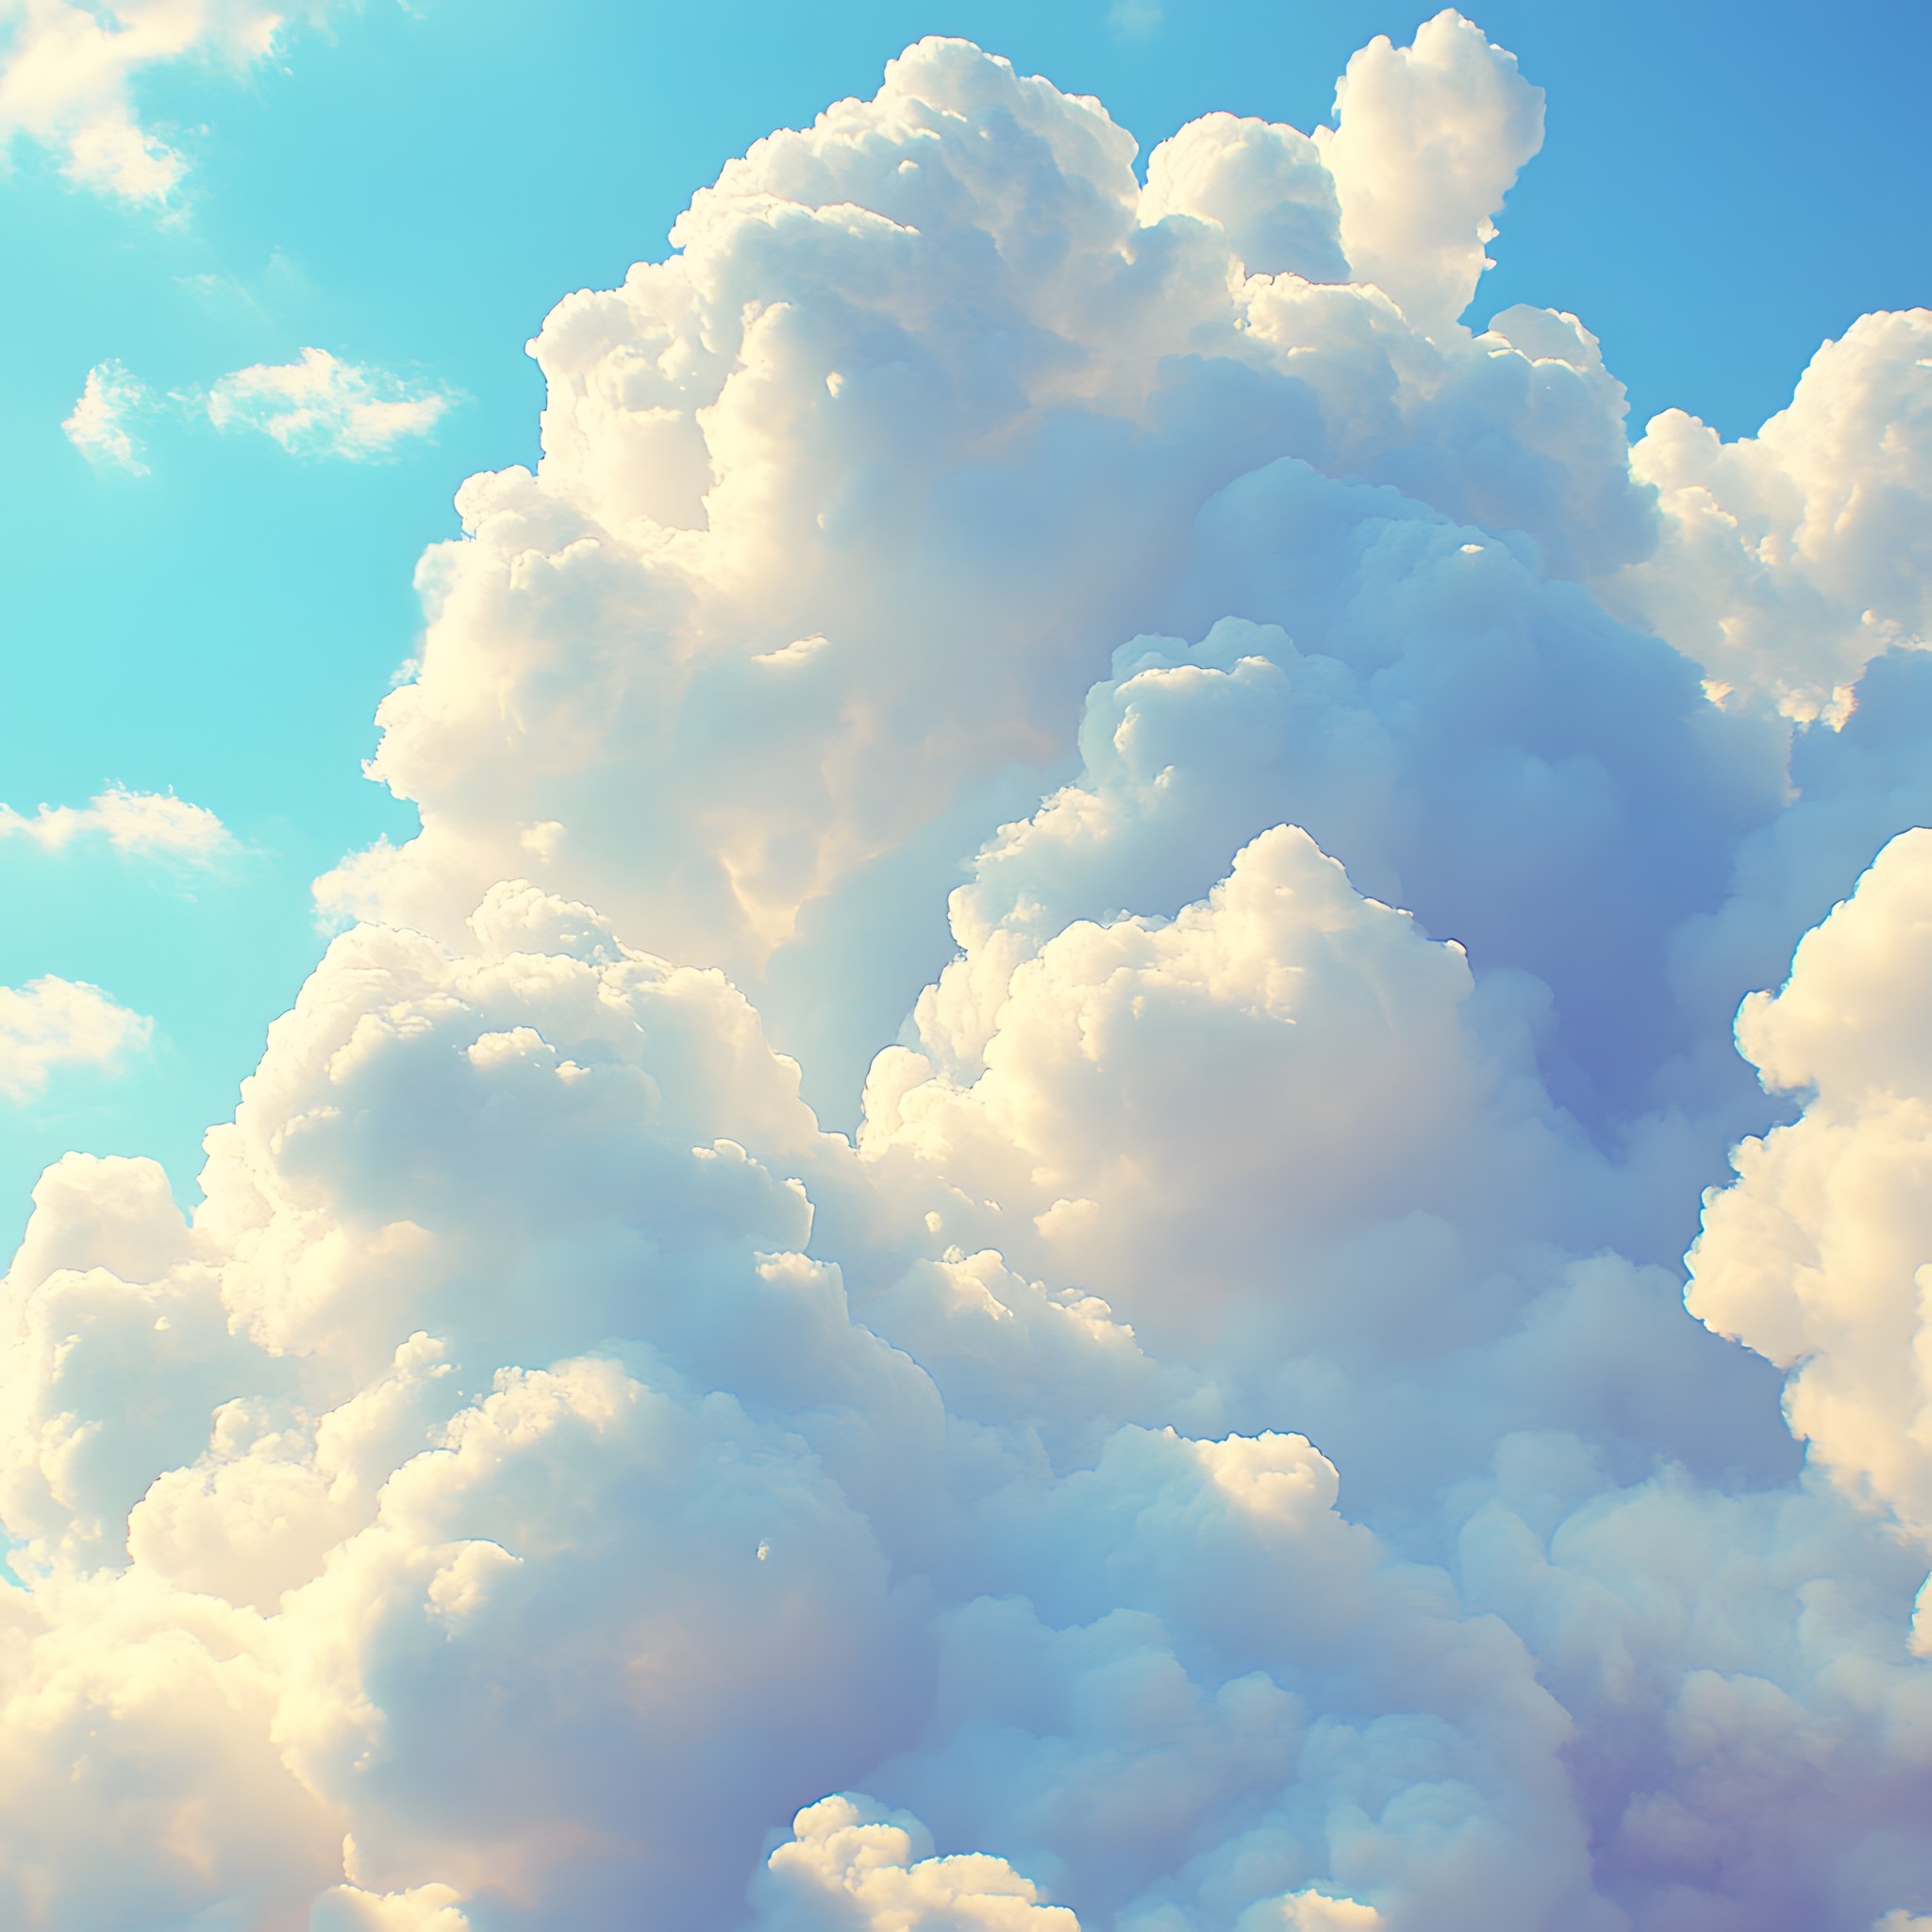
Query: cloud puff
(1816,1255)
(1221,757)
(1345,1087)
(320,406)
(51,1021)
(850,1863)
(1267,187)
(1427,139)
(97,426)
(424,1909)
(146,823)
(1791,558)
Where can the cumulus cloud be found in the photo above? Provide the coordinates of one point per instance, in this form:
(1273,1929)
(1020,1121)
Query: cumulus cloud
(731,476)
(1791,558)
(50,1023)
(1426,141)
(97,426)
(424,1909)
(141,823)
(987,1232)
(1266,186)
(851,1863)
(1818,1254)
(1347,1082)
(320,406)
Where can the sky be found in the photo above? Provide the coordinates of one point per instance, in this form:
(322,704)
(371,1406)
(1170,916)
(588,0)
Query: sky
(412,189)
(966,984)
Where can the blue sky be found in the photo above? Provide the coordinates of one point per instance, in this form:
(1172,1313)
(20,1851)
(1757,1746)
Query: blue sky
(1721,188)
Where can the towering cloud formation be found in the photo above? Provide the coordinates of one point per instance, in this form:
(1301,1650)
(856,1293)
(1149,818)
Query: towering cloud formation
(1217,1444)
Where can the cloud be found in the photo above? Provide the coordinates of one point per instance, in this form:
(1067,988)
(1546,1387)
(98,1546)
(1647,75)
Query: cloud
(1348,1081)
(70,73)
(50,1023)
(851,1863)
(97,426)
(1207,768)
(1134,20)
(1816,1255)
(425,1909)
(1267,186)
(319,407)
(140,823)
(1427,139)
(1793,558)
(314,406)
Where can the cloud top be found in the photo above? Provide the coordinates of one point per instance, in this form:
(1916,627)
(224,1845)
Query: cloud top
(1428,140)
(1791,558)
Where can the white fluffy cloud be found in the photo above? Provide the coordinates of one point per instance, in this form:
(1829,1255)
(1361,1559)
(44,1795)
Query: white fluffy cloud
(1208,766)
(972,410)
(1346,1089)
(52,1022)
(1790,560)
(68,74)
(98,424)
(1428,140)
(1819,1253)
(1267,186)
(851,1864)
(320,406)
(143,823)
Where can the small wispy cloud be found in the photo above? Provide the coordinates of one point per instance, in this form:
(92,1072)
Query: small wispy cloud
(140,823)
(1134,20)
(321,406)
(97,426)
(52,1022)
(69,74)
